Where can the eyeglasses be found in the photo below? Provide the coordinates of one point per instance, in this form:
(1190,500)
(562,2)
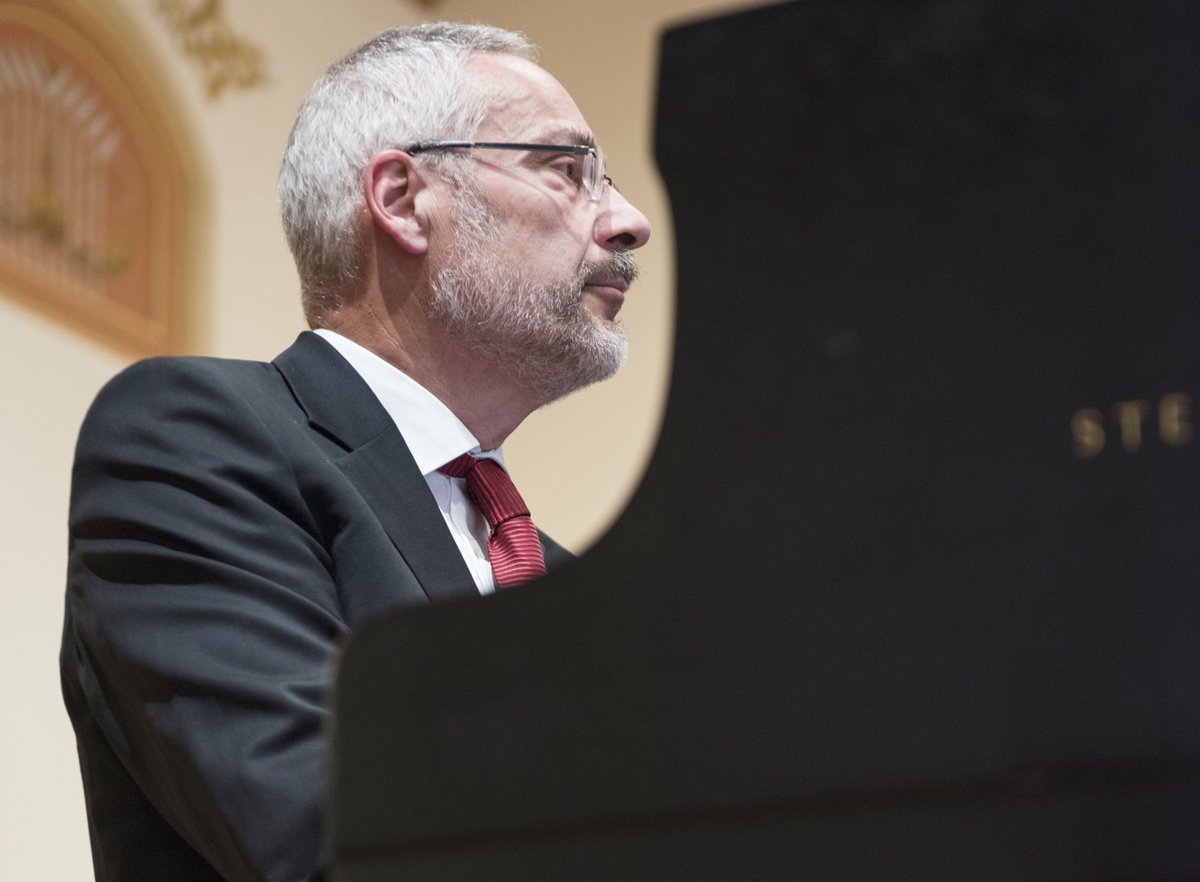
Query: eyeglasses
(588,174)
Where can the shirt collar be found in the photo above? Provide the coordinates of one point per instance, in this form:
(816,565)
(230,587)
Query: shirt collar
(433,433)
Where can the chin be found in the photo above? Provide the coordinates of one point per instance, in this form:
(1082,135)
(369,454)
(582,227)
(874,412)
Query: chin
(601,310)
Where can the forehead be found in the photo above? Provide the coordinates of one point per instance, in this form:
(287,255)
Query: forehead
(526,102)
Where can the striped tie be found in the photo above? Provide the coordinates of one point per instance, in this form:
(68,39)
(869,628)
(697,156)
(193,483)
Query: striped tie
(513,546)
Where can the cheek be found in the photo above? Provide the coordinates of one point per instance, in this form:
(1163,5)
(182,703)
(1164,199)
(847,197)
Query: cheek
(550,247)
(555,223)
(567,244)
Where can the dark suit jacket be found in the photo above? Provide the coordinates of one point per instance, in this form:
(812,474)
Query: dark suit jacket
(230,523)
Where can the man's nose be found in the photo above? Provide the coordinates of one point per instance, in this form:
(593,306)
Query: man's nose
(620,226)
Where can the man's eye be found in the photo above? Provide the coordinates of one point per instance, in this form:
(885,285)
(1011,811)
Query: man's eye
(571,166)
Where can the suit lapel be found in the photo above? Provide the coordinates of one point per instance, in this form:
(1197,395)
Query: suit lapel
(554,553)
(378,462)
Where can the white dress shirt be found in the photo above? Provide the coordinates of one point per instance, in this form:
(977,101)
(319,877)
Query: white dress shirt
(435,436)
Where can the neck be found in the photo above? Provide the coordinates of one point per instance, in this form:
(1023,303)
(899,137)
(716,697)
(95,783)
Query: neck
(488,401)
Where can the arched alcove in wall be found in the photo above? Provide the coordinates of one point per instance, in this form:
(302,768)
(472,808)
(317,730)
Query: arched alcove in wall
(98,191)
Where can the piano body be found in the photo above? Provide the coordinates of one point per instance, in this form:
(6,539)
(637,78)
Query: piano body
(909,587)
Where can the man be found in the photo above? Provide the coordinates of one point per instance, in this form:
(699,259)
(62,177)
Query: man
(462,259)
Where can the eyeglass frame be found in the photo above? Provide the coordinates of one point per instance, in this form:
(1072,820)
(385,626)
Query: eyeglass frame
(595,189)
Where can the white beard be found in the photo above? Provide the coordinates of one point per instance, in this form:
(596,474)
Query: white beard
(537,334)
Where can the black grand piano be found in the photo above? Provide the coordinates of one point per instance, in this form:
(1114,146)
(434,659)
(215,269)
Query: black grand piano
(909,590)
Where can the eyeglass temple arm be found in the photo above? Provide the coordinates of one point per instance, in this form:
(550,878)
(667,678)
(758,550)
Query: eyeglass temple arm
(424,146)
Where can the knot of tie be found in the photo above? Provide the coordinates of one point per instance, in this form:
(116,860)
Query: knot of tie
(514,548)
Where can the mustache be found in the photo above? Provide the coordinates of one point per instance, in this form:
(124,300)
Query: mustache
(619,264)
(623,264)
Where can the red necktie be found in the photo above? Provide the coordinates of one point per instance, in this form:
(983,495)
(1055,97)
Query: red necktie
(513,546)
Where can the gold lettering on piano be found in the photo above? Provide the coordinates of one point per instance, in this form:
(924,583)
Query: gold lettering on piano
(1175,419)
(1129,416)
(1088,428)
(1130,422)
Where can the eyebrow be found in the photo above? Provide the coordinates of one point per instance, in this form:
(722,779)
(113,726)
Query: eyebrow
(577,137)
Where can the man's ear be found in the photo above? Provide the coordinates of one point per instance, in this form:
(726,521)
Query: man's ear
(393,184)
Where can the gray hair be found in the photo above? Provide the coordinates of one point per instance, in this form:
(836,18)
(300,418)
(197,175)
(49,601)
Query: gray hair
(404,86)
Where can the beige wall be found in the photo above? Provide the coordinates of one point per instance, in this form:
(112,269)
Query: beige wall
(577,461)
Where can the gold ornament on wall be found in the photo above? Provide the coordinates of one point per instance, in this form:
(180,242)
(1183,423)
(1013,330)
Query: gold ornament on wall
(225,60)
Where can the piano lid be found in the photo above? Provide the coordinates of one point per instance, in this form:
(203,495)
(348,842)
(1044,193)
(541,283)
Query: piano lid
(914,564)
